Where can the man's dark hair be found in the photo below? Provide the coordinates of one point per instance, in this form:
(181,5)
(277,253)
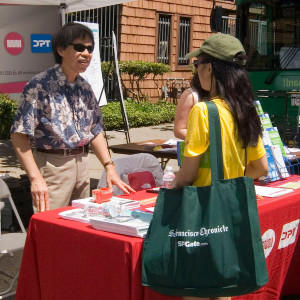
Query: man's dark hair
(66,35)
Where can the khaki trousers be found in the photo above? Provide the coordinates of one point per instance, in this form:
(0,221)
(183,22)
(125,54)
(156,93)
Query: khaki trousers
(67,177)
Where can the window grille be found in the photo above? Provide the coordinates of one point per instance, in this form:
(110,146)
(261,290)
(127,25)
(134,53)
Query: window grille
(228,25)
(184,40)
(258,36)
(163,51)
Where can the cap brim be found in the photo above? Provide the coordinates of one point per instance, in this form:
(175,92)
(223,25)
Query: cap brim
(193,53)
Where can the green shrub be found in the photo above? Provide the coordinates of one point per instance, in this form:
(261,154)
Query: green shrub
(7,112)
(138,113)
(137,72)
(107,68)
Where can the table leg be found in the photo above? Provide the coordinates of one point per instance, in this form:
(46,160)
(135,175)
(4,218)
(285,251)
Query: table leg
(163,162)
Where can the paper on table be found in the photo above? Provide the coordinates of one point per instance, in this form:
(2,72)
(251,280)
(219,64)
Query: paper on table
(150,209)
(134,227)
(76,214)
(290,185)
(172,142)
(80,203)
(143,197)
(170,146)
(270,191)
(294,149)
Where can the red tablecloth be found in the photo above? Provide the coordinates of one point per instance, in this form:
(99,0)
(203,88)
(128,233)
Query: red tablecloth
(66,259)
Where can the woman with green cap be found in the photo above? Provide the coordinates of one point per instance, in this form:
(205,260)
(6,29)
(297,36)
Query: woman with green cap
(220,63)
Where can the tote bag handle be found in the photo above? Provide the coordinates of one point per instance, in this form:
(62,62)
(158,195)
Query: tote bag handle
(216,157)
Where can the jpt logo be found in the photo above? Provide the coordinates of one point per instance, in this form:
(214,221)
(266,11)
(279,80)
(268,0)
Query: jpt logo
(288,234)
(41,43)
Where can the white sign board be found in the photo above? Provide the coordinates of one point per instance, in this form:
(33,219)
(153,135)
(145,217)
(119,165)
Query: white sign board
(93,74)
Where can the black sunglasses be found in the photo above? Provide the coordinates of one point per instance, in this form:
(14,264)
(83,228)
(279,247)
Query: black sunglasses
(81,48)
(196,63)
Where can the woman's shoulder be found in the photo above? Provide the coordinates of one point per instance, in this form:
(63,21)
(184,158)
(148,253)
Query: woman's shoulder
(190,95)
(186,98)
(203,107)
(200,107)
(220,102)
(188,91)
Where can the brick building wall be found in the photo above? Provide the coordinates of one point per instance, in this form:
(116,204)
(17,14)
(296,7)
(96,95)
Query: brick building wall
(138,39)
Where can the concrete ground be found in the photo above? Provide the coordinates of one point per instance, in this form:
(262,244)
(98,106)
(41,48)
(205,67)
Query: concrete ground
(9,266)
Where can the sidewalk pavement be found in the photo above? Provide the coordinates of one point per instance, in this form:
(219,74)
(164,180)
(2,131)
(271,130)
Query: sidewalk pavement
(9,161)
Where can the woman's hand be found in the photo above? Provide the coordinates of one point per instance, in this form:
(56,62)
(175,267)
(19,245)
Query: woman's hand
(187,173)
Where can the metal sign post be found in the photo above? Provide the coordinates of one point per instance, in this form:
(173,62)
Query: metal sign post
(117,73)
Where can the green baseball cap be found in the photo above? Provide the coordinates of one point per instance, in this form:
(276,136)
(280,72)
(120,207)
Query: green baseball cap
(221,46)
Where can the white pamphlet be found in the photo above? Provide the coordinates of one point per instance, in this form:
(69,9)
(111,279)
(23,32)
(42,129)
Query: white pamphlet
(266,191)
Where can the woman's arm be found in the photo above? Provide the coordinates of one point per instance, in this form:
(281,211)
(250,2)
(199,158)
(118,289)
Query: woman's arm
(257,168)
(187,173)
(185,104)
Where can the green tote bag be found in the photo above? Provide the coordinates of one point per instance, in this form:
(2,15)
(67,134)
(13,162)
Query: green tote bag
(206,241)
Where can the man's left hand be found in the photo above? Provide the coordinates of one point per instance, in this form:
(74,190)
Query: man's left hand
(112,178)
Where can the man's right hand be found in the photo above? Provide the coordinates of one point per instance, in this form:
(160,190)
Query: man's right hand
(40,194)
(39,189)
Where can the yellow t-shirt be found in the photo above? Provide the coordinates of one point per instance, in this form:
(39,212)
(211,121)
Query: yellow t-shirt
(197,142)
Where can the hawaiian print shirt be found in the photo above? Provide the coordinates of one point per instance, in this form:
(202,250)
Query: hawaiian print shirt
(55,114)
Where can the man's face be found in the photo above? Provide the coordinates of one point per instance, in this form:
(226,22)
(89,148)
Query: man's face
(76,58)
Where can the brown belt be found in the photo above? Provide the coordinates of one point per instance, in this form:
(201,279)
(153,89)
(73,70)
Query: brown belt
(66,152)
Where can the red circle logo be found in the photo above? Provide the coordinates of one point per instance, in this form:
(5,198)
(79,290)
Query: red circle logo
(14,43)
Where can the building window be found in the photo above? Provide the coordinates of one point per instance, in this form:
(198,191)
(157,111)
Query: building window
(184,40)
(164,29)
(228,22)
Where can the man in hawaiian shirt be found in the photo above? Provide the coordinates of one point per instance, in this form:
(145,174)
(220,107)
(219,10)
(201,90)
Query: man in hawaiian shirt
(59,116)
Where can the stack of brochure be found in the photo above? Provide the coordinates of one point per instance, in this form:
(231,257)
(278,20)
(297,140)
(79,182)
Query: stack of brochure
(274,147)
(136,226)
(130,221)
(77,214)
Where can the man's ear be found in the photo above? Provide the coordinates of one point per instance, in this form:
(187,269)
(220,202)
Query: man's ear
(60,51)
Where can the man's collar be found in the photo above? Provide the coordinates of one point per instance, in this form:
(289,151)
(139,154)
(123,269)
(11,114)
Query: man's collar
(59,69)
